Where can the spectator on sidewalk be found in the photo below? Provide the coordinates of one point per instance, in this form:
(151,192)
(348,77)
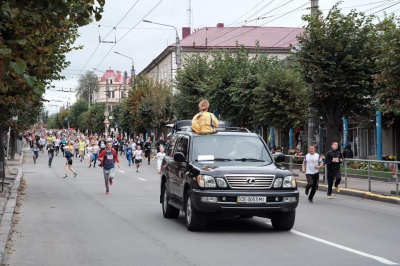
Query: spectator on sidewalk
(333,159)
(311,165)
(348,153)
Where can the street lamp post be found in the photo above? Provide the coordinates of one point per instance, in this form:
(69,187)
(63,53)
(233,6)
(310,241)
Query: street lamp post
(178,44)
(132,70)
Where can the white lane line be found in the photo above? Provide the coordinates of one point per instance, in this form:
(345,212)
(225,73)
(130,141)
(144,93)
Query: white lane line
(142,179)
(380,259)
(121,171)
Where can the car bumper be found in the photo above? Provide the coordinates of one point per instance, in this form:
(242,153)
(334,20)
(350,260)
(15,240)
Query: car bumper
(223,201)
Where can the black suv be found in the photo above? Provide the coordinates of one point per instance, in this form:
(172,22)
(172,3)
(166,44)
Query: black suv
(229,173)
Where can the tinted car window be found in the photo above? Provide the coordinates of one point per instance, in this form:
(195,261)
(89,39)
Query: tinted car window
(172,144)
(230,147)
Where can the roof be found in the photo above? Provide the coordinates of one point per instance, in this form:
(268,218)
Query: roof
(225,37)
(117,77)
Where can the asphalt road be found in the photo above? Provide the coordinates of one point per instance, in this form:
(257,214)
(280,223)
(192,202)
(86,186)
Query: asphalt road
(73,222)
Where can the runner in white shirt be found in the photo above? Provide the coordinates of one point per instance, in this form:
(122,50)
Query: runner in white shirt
(160,156)
(138,157)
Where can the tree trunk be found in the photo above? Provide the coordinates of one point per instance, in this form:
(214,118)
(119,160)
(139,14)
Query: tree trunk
(332,132)
(13,145)
(2,156)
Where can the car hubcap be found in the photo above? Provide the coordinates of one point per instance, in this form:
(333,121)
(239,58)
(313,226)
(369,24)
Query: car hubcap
(165,200)
(189,210)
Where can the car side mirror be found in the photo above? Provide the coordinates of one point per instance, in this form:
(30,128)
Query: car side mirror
(179,157)
(280,158)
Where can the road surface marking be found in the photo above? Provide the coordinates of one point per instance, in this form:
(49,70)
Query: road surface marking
(121,171)
(142,179)
(380,259)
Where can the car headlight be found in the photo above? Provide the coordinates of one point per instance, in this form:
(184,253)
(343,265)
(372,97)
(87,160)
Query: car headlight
(289,181)
(206,181)
(278,182)
(221,182)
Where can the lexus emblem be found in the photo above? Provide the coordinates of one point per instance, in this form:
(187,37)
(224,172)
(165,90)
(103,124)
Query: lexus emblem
(251,181)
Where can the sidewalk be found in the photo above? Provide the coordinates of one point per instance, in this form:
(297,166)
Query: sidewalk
(357,187)
(8,200)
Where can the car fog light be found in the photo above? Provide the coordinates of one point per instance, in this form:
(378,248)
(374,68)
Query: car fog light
(289,199)
(209,199)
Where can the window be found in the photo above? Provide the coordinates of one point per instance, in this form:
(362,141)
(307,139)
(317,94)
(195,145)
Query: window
(182,145)
(371,142)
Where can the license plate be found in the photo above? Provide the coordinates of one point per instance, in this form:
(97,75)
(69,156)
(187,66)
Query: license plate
(249,199)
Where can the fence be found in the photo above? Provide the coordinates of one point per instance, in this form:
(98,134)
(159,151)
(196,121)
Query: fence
(368,175)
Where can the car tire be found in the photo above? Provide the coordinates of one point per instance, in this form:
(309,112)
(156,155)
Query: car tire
(168,211)
(283,221)
(195,220)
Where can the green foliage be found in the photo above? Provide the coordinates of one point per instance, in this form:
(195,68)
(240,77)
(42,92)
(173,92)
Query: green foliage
(246,91)
(34,38)
(87,84)
(281,97)
(92,119)
(337,56)
(76,110)
(188,83)
(389,63)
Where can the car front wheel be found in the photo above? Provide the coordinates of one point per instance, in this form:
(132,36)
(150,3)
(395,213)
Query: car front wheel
(283,221)
(195,220)
(168,210)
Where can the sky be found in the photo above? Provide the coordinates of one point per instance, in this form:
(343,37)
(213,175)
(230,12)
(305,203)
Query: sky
(122,30)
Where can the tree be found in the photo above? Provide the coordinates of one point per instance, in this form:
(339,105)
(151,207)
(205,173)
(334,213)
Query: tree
(337,56)
(87,83)
(389,64)
(34,37)
(79,107)
(281,97)
(188,83)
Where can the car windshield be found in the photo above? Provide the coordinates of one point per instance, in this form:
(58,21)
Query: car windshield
(230,148)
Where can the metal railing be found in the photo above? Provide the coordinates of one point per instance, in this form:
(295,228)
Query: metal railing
(384,180)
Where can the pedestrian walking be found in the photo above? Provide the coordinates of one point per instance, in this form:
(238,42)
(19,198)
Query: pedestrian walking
(137,154)
(333,159)
(50,151)
(160,156)
(147,149)
(68,156)
(311,165)
(107,159)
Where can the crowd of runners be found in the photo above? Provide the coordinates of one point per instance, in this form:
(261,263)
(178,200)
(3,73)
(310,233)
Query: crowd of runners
(95,150)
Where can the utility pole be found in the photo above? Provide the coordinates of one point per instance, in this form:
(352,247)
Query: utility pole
(311,111)
(106,112)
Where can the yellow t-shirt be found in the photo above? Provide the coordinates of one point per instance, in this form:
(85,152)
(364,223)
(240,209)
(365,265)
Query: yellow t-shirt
(82,145)
(204,123)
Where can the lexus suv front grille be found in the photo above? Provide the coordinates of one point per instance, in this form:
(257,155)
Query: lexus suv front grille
(249,181)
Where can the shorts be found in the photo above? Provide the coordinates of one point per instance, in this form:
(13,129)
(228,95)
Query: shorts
(69,162)
(138,161)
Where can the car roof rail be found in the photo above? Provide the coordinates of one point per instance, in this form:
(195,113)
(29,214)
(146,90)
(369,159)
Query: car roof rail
(233,129)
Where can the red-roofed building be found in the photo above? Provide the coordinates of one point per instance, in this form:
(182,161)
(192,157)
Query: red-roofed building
(116,86)
(274,41)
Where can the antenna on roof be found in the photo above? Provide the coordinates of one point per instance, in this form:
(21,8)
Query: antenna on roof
(189,14)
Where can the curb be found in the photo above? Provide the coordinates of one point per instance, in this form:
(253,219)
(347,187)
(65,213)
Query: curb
(357,193)
(7,218)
